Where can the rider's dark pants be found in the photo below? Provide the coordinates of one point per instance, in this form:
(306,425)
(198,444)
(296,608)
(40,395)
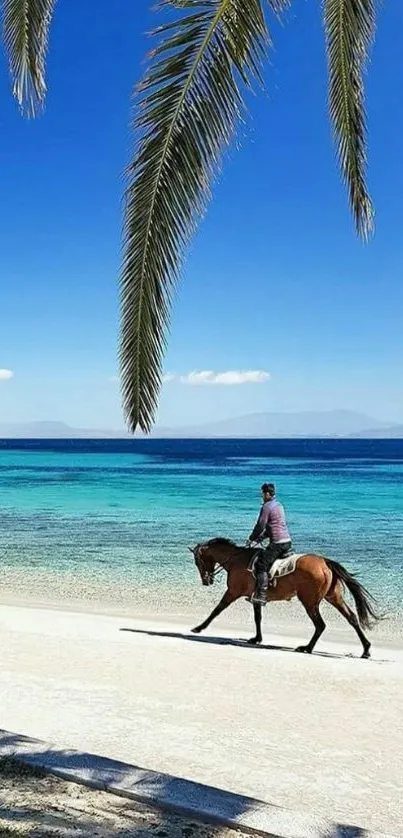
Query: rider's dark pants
(270,555)
(263,564)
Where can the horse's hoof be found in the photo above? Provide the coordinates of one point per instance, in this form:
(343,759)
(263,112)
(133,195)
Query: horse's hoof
(254,641)
(304,650)
(366,655)
(197,630)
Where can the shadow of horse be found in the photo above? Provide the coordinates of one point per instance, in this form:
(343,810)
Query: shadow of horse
(237,643)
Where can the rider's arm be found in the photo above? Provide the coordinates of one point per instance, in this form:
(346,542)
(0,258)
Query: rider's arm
(259,531)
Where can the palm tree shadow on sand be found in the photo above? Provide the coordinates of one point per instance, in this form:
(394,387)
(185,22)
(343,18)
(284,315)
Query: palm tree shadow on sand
(179,808)
(242,644)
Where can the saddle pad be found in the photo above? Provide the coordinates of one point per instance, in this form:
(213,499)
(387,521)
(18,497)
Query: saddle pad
(283,567)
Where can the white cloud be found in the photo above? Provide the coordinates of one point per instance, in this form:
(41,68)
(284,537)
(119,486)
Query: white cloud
(196,378)
(229,378)
(5,375)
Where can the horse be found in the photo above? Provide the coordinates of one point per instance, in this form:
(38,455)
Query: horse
(314,579)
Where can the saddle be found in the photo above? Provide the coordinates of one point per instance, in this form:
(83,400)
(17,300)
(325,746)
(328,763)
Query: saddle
(280,567)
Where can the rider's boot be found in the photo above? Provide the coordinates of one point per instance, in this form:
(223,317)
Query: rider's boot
(259,596)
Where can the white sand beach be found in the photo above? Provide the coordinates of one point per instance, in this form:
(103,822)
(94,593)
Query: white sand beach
(321,734)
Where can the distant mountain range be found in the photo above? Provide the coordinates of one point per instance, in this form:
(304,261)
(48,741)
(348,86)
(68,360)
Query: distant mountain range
(54,430)
(319,424)
(332,423)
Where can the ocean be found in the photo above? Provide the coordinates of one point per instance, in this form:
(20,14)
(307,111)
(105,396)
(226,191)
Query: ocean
(105,524)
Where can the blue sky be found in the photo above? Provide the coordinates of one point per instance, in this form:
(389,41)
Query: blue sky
(276,280)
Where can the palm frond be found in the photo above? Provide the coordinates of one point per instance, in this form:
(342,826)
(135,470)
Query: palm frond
(26,31)
(350,29)
(190,101)
(279,6)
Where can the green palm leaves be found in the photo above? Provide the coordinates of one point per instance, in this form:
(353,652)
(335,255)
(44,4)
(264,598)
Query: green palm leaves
(26,30)
(350,28)
(190,101)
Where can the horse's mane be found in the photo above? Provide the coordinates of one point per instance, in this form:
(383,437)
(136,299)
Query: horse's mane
(221,542)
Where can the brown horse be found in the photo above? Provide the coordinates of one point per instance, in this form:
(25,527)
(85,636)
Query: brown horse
(315,579)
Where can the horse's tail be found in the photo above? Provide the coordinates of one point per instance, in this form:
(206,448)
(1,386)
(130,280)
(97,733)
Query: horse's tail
(364,601)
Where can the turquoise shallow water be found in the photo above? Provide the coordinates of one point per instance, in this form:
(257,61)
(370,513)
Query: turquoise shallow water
(109,522)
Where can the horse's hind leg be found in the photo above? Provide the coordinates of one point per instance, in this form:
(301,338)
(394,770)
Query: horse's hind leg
(310,596)
(320,625)
(257,612)
(337,600)
(227,600)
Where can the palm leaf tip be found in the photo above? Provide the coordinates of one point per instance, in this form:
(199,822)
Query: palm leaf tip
(187,111)
(350,30)
(26,26)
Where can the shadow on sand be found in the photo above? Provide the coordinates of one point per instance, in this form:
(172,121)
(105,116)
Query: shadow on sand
(227,641)
(162,793)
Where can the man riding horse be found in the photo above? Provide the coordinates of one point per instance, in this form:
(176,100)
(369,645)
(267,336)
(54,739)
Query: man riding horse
(271,524)
(312,580)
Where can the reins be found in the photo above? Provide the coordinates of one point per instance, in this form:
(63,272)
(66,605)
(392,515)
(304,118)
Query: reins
(223,565)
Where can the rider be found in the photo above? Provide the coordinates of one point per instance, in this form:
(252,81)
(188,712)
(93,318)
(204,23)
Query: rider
(271,524)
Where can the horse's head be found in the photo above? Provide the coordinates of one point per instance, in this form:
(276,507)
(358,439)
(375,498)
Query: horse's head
(204,562)
(208,555)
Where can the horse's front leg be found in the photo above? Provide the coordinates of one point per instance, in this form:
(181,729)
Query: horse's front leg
(257,612)
(227,600)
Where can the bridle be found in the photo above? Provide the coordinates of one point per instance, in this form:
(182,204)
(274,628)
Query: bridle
(207,575)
